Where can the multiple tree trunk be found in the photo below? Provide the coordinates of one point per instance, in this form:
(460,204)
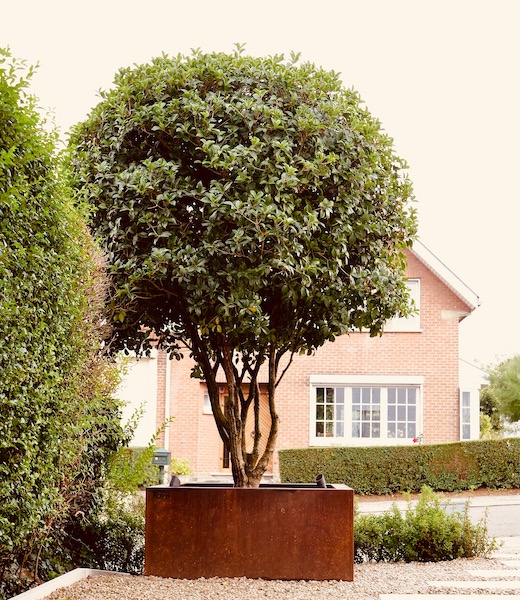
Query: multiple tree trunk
(240,414)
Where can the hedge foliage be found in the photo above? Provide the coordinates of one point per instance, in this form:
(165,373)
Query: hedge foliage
(59,422)
(384,470)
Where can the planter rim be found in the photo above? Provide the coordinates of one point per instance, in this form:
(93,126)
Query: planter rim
(263,486)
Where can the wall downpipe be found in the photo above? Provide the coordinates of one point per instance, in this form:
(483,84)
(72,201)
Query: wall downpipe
(167,402)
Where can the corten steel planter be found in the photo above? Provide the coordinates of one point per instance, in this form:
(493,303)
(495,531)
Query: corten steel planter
(275,532)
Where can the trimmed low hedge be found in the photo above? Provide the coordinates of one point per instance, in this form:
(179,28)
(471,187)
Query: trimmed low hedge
(384,470)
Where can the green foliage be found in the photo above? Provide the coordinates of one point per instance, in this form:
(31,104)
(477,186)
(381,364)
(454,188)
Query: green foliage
(429,531)
(132,469)
(111,535)
(249,208)
(490,423)
(487,428)
(60,423)
(180,467)
(503,392)
(389,469)
(255,195)
(118,535)
(499,462)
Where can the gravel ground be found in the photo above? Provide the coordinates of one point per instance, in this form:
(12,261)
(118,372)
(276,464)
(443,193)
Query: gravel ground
(370,580)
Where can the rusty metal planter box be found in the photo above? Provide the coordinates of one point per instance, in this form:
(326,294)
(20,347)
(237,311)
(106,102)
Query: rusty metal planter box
(275,532)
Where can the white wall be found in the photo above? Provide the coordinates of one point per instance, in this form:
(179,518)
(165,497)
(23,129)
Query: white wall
(139,387)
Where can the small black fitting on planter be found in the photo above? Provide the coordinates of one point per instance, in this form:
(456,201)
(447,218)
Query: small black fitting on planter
(320,481)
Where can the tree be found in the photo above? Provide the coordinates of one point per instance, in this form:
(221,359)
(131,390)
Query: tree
(250,209)
(490,423)
(504,388)
(59,424)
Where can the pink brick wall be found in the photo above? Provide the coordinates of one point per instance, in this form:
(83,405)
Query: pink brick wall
(431,353)
(193,434)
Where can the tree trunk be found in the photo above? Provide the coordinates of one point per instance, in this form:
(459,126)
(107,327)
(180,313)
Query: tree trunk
(247,468)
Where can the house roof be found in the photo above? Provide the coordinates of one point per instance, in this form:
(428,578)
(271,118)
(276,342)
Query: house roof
(446,275)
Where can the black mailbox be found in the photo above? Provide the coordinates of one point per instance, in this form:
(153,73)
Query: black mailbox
(161,458)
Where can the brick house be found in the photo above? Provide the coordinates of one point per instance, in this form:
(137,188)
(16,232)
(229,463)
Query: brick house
(357,390)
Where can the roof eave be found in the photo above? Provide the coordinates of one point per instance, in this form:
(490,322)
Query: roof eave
(446,275)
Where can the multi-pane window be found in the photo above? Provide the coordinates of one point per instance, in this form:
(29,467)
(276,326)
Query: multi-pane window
(402,412)
(366,412)
(465,415)
(330,412)
(413,321)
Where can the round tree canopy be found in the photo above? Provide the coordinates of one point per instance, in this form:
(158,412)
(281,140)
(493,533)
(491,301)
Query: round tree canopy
(252,201)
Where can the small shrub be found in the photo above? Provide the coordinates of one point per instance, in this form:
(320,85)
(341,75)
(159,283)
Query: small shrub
(180,467)
(115,535)
(132,469)
(427,532)
(111,534)
(376,537)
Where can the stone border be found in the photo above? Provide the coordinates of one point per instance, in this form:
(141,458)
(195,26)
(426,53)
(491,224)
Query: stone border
(45,589)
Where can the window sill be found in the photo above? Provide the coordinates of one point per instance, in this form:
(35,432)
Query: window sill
(358,443)
(403,331)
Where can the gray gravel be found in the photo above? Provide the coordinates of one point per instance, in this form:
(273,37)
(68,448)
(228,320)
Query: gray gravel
(370,580)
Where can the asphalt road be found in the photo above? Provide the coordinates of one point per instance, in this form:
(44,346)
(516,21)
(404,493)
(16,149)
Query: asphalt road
(503,520)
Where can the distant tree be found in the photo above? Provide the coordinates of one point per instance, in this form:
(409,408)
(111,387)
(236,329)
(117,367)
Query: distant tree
(504,388)
(490,424)
(250,209)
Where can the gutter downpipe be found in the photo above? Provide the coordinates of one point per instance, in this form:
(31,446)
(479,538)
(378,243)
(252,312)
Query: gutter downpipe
(167,402)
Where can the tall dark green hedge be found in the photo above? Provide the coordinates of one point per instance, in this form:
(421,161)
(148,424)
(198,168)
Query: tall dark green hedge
(58,423)
(384,470)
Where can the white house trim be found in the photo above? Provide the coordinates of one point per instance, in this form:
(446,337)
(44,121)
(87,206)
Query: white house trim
(367,379)
(446,275)
(386,381)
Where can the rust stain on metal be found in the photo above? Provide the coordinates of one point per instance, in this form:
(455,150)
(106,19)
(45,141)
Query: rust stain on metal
(268,533)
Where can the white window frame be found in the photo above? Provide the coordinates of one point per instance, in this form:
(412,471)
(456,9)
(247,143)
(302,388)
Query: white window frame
(412,322)
(350,381)
(474,414)
(206,405)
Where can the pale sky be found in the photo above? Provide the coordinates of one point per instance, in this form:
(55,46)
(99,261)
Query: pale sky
(442,76)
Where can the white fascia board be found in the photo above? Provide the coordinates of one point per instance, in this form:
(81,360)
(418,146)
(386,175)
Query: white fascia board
(318,378)
(438,268)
